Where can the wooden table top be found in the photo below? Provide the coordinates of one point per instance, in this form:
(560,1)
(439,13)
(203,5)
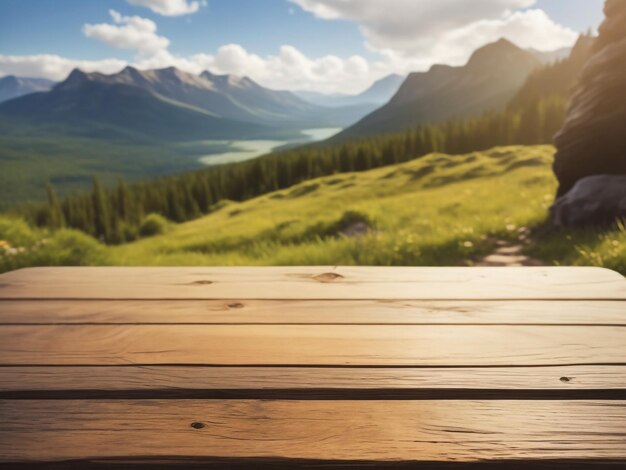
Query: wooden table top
(307,367)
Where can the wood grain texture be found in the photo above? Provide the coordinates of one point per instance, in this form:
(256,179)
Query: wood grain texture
(307,345)
(317,283)
(248,367)
(363,430)
(356,383)
(277,463)
(313,312)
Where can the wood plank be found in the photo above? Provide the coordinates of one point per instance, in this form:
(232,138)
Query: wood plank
(356,383)
(305,312)
(352,430)
(313,283)
(277,463)
(339,345)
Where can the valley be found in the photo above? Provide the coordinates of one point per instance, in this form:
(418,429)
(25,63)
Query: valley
(438,210)
(141,124)
(163,167)
(242,150)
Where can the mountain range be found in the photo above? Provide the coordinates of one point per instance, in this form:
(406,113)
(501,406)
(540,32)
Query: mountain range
(170,104)
(491,77)
(173,105)
(14,87)
(140,124)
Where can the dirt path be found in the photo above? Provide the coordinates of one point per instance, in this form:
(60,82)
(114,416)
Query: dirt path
(508,255)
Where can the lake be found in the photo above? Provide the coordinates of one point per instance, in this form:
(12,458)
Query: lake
(240,150)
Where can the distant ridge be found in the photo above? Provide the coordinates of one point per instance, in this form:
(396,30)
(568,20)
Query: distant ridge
(376,95)
(491,77)
(121,105)
(555,78)
(169,103)
(225,96)
(14,87)
(548,57)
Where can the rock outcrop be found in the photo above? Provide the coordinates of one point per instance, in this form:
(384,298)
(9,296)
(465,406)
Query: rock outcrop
(593,139)
(594,201)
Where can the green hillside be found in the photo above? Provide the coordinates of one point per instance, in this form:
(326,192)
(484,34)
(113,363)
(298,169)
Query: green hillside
(30,158)
(436,210)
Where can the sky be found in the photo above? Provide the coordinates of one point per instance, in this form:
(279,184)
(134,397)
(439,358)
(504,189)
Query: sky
(319,45)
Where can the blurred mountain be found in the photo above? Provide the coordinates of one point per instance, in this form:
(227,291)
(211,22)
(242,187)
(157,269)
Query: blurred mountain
(171,102)
(555,79)
(376,95)
(491,77)
(14,87)
(107,106)
(548,57)
(224,96)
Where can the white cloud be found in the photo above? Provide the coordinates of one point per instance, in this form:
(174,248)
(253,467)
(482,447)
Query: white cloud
(421,33)
(289,69)
(128,32)
(54,67)
(170,7)
(408,35)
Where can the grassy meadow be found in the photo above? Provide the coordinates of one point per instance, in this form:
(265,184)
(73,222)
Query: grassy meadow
(437,210)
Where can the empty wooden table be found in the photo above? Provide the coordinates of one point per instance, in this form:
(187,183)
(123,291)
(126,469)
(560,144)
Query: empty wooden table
(324,366)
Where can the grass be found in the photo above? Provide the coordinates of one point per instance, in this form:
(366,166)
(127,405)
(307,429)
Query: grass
(439,210)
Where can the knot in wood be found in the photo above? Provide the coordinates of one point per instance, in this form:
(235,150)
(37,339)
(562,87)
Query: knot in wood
(327,277)
(202,283)
(197,425)
(235,305)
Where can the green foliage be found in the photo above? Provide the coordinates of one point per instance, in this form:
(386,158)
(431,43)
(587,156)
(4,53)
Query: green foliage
(153,224)
(107,214)
(586,247)
(16,232)
(439,210)
(55,217)
(30,157)
(23,246)
(102,220)
(351,223)
(70,248)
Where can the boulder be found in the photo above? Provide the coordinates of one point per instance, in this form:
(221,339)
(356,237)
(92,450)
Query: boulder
(593,138)
(594,201)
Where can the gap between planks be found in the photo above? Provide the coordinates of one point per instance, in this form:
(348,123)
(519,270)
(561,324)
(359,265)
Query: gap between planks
(269,463)
(607,382)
